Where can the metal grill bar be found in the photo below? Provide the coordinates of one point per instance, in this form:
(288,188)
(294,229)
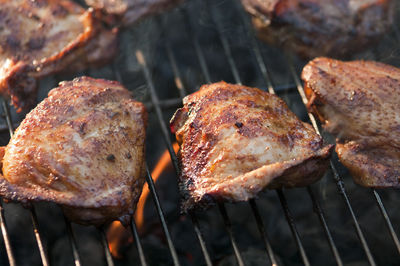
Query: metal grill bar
(195,41)
(225,45)
(387,219)
(104,243)
(337,178)
(228,227)
(7,244)
(178,80)
(5,127)
(257,51)
(200,238)
(138,243)
(177,76)
(6,109)
(156,103)
(321,216)
(35,225)
(259,58)
(303,97)
(43,253)
(263,232)
(72,241)
(160,213)
(292,225)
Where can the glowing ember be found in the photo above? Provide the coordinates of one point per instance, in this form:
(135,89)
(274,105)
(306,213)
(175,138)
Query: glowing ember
(117,235)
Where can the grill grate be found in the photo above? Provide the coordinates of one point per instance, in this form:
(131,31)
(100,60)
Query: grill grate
(4,232)
(158,106)
(72,240)
(109,258)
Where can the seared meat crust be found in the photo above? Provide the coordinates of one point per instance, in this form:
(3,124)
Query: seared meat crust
(83,148)
(42,37)
(126,12)
(359,103)
(236,141)
(313,28)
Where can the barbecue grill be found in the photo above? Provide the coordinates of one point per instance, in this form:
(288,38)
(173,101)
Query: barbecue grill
(203,42)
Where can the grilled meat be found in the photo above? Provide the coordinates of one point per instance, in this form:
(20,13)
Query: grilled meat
(38,38)
(126,12)
(83,148)
(235,141)
(359,102)
(313,28)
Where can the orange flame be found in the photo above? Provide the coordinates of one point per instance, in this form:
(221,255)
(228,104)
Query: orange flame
(163,162)
(119,236)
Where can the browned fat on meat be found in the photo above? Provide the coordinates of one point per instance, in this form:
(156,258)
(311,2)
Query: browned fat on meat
(236,141)
(359,103)
(311,28)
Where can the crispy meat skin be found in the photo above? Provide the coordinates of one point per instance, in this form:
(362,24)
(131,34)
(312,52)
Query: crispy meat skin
(359,102)
(127,12)
(313,28)
(83,148)
(38,38)
(235,141)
